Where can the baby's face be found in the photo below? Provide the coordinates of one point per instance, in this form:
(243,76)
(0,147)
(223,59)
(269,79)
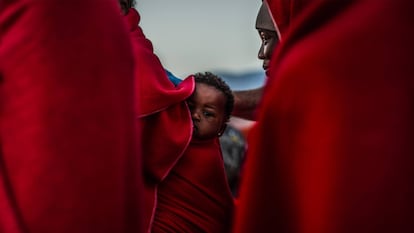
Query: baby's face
(207,107)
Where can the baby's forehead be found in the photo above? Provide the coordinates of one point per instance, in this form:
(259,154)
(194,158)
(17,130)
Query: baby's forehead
(209,90)
(207,87)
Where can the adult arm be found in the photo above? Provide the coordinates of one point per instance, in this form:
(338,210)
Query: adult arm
(246,103)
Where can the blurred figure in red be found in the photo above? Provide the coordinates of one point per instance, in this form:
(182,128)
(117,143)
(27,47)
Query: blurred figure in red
(332,150)
(68,159)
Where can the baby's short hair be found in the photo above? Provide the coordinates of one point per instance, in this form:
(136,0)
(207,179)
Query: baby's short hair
(217,82)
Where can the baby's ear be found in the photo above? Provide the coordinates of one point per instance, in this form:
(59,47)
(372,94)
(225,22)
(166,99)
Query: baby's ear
(223,128)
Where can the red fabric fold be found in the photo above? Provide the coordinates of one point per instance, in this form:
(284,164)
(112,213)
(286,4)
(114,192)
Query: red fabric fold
(162,111)
(68,159)
(157,92)
(283,12)
(195,197)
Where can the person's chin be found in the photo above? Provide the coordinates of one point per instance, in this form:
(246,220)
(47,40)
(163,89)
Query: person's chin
(266,64)
(267,73)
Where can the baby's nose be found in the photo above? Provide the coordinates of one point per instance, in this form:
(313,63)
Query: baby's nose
(195,116)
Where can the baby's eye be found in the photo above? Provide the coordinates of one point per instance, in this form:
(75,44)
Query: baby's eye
(208,114)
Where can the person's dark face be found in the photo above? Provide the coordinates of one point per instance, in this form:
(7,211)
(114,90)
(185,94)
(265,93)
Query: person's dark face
(125,5)
(269,41)
(207,107)
(268,35)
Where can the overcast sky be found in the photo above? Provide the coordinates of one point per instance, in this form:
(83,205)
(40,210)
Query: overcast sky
(202,35)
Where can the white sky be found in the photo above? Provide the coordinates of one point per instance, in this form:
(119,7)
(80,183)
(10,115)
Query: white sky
(202,35)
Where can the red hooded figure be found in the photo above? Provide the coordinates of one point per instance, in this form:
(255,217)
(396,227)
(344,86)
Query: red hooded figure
(333,147)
